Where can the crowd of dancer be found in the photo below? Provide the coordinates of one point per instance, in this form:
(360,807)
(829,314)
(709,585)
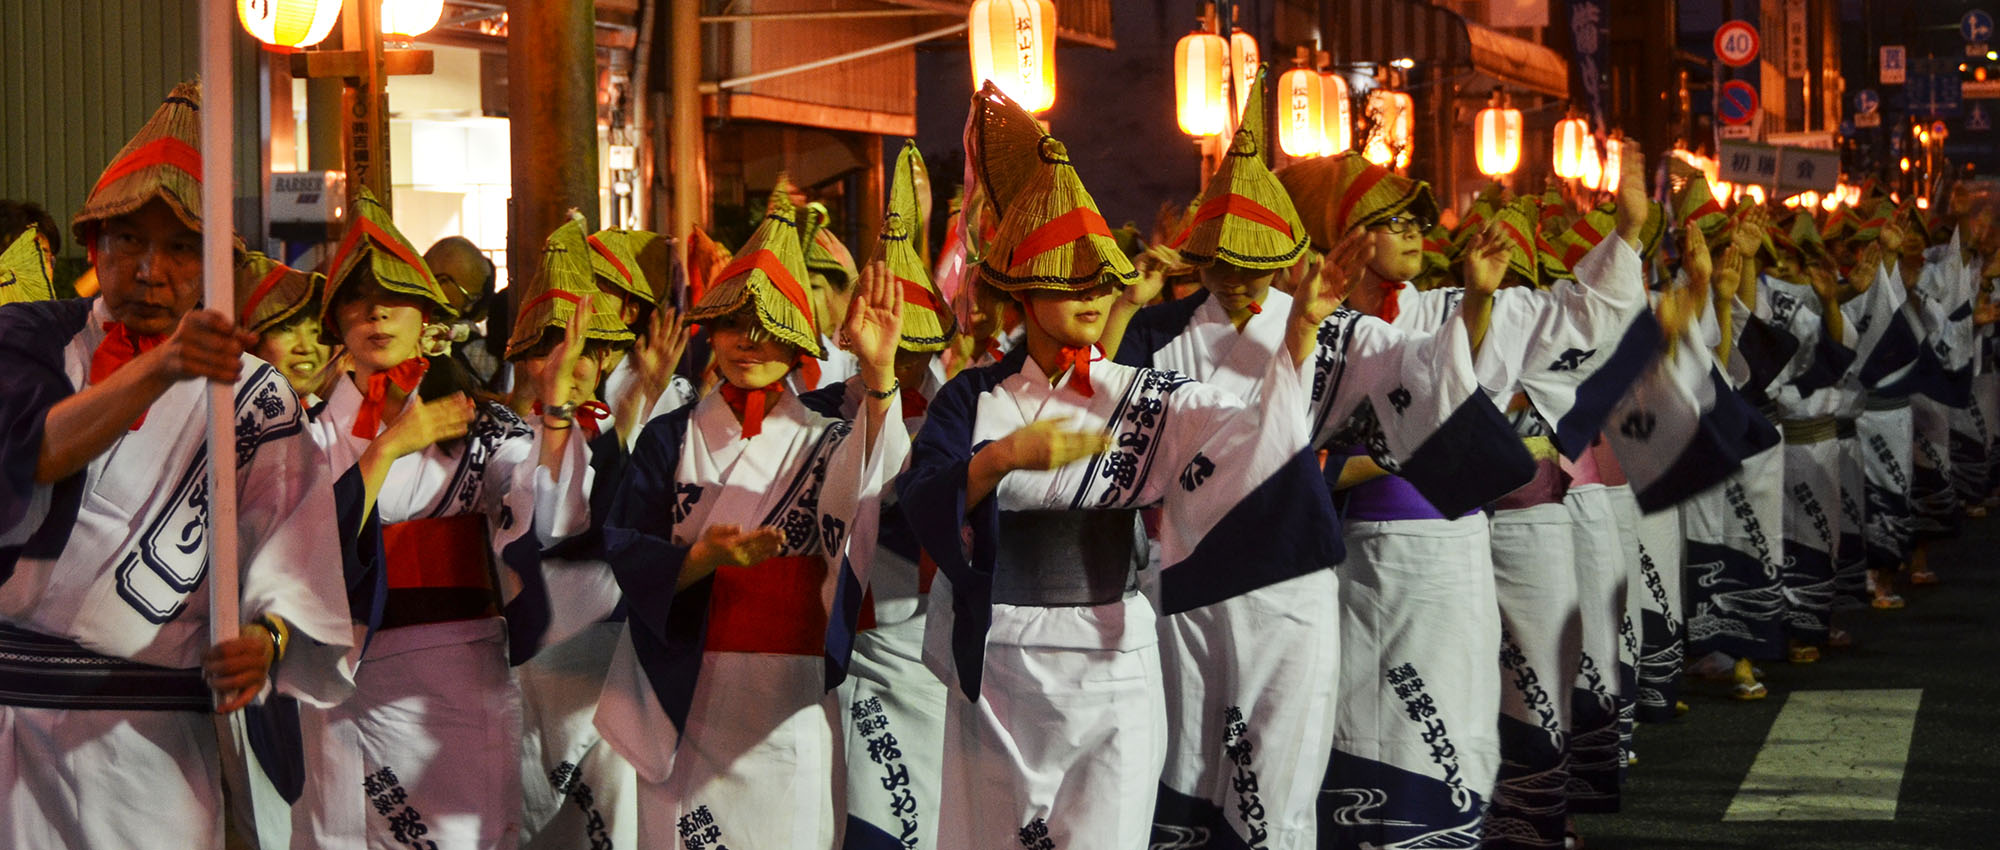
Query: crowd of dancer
(1305,520)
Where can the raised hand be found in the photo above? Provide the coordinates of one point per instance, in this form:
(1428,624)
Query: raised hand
(875,321)
(1321,294)
(666,340)
(1486,261)
(728,545)
(1695,259)
(206,345)
(1051,444)
(1633,206)
(556,381)
(1153,264)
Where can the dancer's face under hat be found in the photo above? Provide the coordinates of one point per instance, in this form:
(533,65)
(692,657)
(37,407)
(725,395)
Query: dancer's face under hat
(293,347)
(149,268)
(1073,319)
(746,355)
(1399,246)
(380,328)
(1235,288)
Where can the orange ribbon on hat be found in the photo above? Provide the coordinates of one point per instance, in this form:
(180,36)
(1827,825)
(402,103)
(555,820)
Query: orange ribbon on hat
(166,150)
(1241,206)
(120,345)
(1057,232)
(604,251)
(764,261)
(364,225)
(264,286)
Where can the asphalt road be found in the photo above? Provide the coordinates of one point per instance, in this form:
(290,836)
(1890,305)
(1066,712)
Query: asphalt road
(1946,643)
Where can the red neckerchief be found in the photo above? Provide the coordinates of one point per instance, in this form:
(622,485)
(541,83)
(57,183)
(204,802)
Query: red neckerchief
(750,405)
(914,403)
(1074,357)
(993,350)
(1388,310)
(808,371)
(405,375)
(590,415)
(1255,308)
(120,345)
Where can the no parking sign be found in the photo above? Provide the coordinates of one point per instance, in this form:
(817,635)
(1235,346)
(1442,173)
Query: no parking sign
(1737,104)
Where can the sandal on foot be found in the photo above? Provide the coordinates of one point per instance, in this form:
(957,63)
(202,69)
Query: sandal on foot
(1839,639)
(1680,708)
(1747,691)
(1890,602)
(1803,654)
(1923,577)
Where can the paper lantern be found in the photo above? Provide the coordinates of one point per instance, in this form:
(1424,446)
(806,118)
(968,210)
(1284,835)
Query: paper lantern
(1013,43)
(1243,63)
(1337,114)
(1301,124)
(1498,139)
(1573,143)
(1614,152)
(1201,62)
(288,23)
(410,18)
(1389,144)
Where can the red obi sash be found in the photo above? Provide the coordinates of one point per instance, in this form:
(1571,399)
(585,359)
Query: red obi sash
(447,552)
(773,607)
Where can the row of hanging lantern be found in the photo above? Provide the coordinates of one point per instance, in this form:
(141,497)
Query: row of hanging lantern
(1497,147)
(1203,61)
(304,23)
(1314,111)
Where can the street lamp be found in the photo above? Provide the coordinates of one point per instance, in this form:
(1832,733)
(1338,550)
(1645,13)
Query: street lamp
(1302,123)
(1200,62)
(1498,138)
(288,23)
(1013,43)
(408,19)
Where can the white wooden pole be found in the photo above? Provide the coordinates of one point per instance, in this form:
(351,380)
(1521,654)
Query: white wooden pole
(218,201)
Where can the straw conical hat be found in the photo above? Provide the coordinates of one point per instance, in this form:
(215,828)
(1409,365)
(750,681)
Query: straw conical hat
(1437,259)
(1585,233)
(1053,237)
(769,276)
(1873,216)
(1840,224)
(999,138)
(566,279)
(163,160)
(24,270)
(373,243)
(1695,205)
(1244,218)
(1805,234)
(1334,194)
(614,258)
(1489,200)
(927,319)
(270,293)
(1516,222)
(825,255)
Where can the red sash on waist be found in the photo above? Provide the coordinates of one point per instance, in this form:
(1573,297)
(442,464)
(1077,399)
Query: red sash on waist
(772,607)
(437,553)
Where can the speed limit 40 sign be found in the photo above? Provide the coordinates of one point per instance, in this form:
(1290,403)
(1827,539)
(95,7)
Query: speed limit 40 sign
(1736,43)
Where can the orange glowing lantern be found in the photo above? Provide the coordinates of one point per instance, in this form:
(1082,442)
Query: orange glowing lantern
(1301,122)
(1498,139)
(288,23)
(1573,144)
(1337,127)
(1013,43)
(1201,63)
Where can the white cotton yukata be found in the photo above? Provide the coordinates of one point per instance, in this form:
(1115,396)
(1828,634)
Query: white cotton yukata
(893,707)
(1268,659)
(108,569)
(1056,733)
(429,746)
(1886,357)
(720,694)
(1511,606)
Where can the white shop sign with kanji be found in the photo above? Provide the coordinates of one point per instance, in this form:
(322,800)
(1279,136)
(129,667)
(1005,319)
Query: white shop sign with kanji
(1788,170)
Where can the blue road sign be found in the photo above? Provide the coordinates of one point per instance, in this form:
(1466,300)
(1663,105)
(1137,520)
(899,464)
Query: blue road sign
(1977,118)
(1866,101)
(1738,102)
(1976,25)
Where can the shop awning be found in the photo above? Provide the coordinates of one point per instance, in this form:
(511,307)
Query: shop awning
(1384,31)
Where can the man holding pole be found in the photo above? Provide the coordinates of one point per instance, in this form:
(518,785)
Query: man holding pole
(106,664)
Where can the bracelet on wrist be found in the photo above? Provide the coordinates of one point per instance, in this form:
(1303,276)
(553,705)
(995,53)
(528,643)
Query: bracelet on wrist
(894,385)
(280,634)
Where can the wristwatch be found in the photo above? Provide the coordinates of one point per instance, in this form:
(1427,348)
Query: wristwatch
(559,412)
